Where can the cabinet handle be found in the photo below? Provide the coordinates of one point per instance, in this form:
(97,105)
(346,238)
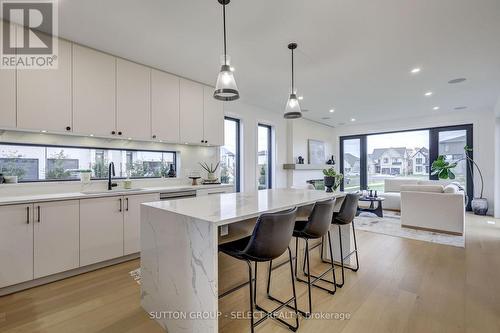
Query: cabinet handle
(39,218)
(28,215)
(126,209)
(68,128)
(154,136)
(113,132)
(119,133)
(120,205)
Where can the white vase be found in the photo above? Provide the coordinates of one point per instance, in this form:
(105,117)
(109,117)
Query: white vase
(211,176)
(85,177)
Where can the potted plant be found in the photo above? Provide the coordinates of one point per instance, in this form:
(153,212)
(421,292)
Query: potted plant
(332,179)
(444,170)
(210,170)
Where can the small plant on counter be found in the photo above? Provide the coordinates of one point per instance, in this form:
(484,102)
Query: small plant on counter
(210,169)
(332,179)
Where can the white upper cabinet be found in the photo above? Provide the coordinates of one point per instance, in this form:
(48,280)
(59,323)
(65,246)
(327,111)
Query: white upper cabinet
(133,96)
(164,106)
(44,95)
(16,244)
(213,118)
(56,237)
(94,92)
(8,98)
(191,112)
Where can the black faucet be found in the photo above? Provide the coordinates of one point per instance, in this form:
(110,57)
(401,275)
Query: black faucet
(111,172)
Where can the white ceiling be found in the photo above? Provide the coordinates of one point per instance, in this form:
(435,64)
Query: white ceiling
(354,56)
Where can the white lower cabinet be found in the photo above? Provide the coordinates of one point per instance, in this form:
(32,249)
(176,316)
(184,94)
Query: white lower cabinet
(101,229)
(56,237)
(132,221)
(16,244)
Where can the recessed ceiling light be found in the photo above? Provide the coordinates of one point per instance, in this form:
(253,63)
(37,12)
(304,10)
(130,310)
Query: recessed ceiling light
(436,108)
(332,110)
(186,143)
(129,139)
(416,70)
(91,135)
(459,80)
(460,108)
(490,222)
(429,93)
(301,98)
(43,131)
(161,140)
(353,119)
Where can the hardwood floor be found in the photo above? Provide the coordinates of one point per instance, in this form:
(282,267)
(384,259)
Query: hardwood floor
(403,286)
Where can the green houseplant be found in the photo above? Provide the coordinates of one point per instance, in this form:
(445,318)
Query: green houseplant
(332,179)
(444,170)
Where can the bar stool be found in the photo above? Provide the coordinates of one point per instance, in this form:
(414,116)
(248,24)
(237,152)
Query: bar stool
(317,226)
(270,239)
(345,216)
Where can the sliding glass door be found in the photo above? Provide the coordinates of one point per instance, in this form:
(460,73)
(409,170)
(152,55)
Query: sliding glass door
(367,160)
(352,162)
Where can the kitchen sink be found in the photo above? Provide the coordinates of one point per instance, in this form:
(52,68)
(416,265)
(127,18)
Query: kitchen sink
(119,190)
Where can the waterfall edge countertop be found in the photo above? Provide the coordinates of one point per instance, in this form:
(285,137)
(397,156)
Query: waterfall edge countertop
(179,251)
(231,207)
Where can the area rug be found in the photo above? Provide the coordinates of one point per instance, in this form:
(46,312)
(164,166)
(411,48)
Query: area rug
(390,225)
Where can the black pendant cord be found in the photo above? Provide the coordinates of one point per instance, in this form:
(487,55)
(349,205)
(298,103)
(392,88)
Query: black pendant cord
(224,25)
(293,90)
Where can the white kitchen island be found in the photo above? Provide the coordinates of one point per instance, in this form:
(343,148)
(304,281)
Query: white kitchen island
(179,251)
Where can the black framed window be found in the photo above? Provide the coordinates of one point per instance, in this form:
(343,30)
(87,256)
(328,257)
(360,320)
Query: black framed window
(43,163)
(368,159)
(264,157)
(230,157)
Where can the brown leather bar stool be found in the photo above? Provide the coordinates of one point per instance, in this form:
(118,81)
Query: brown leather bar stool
(317,226)
(270,239)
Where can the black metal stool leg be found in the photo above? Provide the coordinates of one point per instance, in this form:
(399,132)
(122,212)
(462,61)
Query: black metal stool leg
(355,248)
(333,265)
(251,295)
(341,258)
(293,287)
(308,277)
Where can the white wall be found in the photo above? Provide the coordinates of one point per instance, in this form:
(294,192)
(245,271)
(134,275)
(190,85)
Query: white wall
(250,116)
(299,132)
(484,139)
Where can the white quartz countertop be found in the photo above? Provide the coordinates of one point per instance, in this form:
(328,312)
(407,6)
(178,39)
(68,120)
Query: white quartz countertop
(22,199)
(231,207)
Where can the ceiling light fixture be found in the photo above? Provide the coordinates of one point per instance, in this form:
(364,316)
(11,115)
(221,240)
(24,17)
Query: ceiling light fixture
(353,119)
(416,70)
(429,93)
(225,88)
(332,110)
(435,108)
(292,108)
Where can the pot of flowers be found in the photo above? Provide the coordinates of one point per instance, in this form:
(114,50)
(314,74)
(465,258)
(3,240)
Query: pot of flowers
(332,179)
(444,170)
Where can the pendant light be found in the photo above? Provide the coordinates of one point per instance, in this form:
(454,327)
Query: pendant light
(225,88)
(292,108)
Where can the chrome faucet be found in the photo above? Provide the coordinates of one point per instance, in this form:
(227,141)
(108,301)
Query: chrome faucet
(111,172)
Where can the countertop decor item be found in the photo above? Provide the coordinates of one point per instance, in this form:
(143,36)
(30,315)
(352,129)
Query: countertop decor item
(210,169)
(316,150)
(171,172)
(300,160)
(331,161)
(332,179)
(127,184)
(292,108)
(1,178)
(10,179)
(85,175)
(225,88)
(444,170)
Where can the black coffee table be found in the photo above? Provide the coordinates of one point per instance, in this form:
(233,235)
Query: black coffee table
(377,211)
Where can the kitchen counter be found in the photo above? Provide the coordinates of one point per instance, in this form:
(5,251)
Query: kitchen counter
(179,251)
(22,199)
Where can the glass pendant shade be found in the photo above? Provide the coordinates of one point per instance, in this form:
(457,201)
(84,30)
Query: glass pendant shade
(292,108)
(225,88)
